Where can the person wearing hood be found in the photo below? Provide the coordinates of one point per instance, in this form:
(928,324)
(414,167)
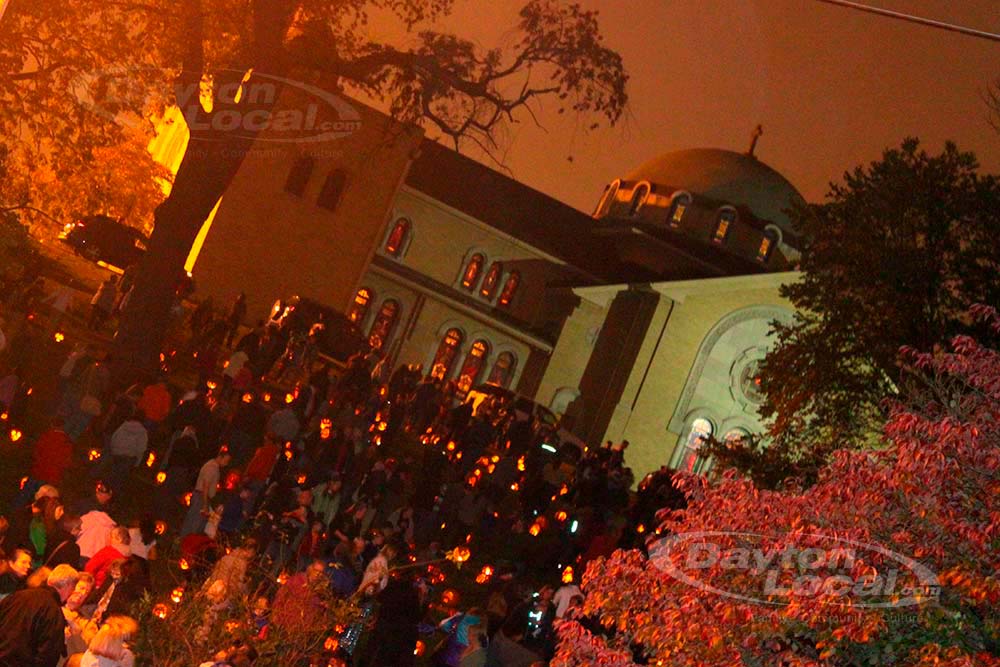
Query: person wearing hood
(126,449)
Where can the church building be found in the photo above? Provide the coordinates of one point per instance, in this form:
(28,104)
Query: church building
(645,321)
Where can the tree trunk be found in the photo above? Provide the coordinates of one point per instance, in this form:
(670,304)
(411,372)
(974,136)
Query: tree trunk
(208,167)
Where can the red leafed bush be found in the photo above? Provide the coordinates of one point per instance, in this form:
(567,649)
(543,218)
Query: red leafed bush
(923,509)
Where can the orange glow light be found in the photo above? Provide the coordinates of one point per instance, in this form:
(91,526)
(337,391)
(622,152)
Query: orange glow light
(248,398)
(187,499)
(289,398)
(177,595)
(15,435)
(160,611)
(567,575)
(94,454)
(161,477)
(161,527)
(331,644)
(184,564)
(151,459)
(59,337)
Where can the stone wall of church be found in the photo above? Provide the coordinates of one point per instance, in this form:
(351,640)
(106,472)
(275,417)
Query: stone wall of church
(560,385)
(444,239)
(271,243)
(690,374)
(698,340)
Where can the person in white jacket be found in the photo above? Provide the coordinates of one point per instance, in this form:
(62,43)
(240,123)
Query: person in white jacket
(95,533)
(126,450)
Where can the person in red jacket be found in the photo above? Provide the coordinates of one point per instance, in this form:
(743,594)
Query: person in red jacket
(155,403)
(100,564)
(53,454)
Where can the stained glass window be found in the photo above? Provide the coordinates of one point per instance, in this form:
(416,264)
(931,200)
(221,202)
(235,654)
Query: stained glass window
(384,324)
(503,369)
(691,459)
(473,366)
(446,353)
(678,207)
(491,281)
(509,288)
(472,270)
(359,308)
(397,238)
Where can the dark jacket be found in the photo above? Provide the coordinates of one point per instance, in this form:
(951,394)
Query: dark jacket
(32,628)
(61,548)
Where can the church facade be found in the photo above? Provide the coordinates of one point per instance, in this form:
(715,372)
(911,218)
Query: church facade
(644,321)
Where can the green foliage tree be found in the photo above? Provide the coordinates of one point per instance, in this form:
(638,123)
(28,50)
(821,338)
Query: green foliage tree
(69,70)
(899,252)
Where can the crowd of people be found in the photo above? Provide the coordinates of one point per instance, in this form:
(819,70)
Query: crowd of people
(277,487)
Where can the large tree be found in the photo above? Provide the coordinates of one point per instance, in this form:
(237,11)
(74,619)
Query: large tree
(124,57)
(896,255)
(819,577)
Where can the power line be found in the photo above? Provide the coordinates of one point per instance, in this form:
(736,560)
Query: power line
(941,25)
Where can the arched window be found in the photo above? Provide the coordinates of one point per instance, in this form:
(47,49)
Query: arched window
(766,247)
(491,281)
(610,193)
(639,196)
(691,460)
(734,435)
(503,369)
(397,238)
(472,270)
(473,366)
(444,359)
(723,223)
(509,288)
(678,207)
(384,324)
(332,190)
(298,176)
(359,308)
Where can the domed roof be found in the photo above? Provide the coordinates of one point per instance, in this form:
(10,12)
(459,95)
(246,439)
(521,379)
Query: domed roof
(732,177)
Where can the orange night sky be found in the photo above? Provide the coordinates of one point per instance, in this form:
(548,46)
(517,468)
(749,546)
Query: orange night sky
(831,86)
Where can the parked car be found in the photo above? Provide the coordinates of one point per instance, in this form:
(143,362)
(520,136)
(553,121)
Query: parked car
(338,338)
(106,241)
